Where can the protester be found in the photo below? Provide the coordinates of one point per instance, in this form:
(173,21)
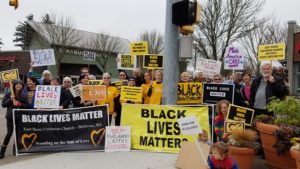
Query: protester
(217,78)
(78,101)
(220,158)
(11,101)
(122,75)
(92,77)
(246,87)
(198,76)
(84,71)
(29,91)
(239,98)
(222,108)
(184,77)
(145,88)
(139,79)
(155,90)
(55,81)
(66,96)
(46,76)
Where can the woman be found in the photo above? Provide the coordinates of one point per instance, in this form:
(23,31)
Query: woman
(122,75)
(155,90)
(145,88)
(222,108)
(246,87)
(184,77)
(29,91)
(78,101)
(66,96)
(11,101)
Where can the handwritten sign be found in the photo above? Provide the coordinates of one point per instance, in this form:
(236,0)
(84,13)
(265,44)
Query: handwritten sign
(92,92)
(76,90)
(47,96)
(119,84)
(43,57)
(153,61)
(127,61)
(234,59)
(88,55)
(238,113)
(271,52)
(9,75)
(129,93)
(189,125)
(234,126)
(209,67)
(118,138)
(140,48)
(189,93)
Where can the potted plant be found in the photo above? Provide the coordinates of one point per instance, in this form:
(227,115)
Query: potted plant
(277,131)
(295,150)
(242,147)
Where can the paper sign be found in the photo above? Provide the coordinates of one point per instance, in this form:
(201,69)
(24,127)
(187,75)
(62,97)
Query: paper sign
(76,90)
(189,93)
(42,57)
(127,61)
(47,96)
(153,61)
(234,59)
(238,113)
(118,138)
(129,93)
(189,125)
(87,55)
(140,48)
(92,92)
(213,92)
(9,75)
(234,126)
(95,82)
(209,67)
(271,52)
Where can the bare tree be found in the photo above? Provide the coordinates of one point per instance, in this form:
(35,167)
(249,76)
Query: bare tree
(155,41)
(270,32)
(60,34)
(106,46)
(224,22)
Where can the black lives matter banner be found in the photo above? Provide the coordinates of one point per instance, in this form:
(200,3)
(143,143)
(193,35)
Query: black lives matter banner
(60,130)
(212,92)
(153,61)
(238,113)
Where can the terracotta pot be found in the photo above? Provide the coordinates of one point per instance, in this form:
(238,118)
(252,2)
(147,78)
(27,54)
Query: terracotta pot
(243,156)
(296,155)
(268,140)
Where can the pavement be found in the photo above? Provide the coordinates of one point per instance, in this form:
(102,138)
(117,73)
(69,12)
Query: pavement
(91,159)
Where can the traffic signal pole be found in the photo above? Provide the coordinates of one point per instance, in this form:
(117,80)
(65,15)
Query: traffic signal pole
(171,58)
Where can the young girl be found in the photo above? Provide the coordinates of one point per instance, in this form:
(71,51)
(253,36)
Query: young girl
(220,158)
(222,108)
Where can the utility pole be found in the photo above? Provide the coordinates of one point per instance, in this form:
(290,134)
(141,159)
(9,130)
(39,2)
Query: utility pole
(171,58)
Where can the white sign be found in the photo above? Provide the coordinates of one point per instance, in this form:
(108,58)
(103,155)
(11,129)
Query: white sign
(76,90)
(87,55)
(47,96)
(118,138)
(42,57)
(234,59)
(189,125)
(209,67)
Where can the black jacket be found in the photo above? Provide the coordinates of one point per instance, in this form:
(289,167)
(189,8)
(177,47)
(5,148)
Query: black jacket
(65,97)
(239,98)
(8,103)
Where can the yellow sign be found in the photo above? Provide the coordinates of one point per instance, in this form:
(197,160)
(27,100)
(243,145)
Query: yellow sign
(9,75)
(119,84)
(234,126)
(271,52)
(189,93)
(95,82)
(155,127)
(93,92)
(140,48)
(129,93)
(127,61)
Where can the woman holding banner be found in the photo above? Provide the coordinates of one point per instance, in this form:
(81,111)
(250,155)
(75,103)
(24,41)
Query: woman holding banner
(11,100)
(155,90)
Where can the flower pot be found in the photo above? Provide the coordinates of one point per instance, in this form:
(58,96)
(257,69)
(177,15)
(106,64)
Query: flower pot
(268,140)
(296,155)
(243,156)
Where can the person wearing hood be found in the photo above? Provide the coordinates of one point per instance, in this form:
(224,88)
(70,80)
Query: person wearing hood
(12,101)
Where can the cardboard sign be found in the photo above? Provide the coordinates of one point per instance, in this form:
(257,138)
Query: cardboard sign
(76,90)
(238,113)
(189,93)
(47,96)
(127,62)
(118,138)
(9,75)
(95,82)
(129,93)
(153,61)
(208,67)
(234,59)
(43,57)
(88,55)
(139,48)
(119,84)
(271,52)
(189,126)
(212,92)
(93,92)
(234,126)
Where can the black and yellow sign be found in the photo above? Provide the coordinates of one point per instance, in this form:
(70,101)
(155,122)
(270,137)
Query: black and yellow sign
(140,48)
(127,61)
(234,126)
(95,82)
(238,113)
(153,61)
(129,93)
(119,84)
(9,75)
(189,93)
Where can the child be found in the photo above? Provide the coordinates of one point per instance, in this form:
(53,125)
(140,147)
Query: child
(220,159)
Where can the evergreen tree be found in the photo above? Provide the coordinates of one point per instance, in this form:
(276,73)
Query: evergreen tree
(20,34)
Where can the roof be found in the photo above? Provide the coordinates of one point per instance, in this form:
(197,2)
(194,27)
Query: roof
(82,43)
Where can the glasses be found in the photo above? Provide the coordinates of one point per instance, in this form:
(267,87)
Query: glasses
(122,75)
(106,78)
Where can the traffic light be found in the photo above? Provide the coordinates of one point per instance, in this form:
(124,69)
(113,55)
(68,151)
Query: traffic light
(185,12)
(14,3)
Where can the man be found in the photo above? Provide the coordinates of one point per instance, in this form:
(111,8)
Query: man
(217,78)
(139,78)
(84,71)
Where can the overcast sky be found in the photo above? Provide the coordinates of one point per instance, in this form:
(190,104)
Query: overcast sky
(123,18)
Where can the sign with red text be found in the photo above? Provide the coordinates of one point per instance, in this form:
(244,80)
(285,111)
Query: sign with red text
(208,67)
(234,59)
(118,138)
(47,96)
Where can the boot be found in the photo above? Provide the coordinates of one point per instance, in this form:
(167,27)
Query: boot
(2,152)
